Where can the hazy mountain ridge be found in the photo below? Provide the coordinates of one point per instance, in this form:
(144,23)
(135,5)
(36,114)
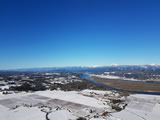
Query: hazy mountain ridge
(89,68)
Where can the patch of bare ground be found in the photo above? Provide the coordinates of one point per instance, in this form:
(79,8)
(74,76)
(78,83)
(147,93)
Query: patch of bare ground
(127,85)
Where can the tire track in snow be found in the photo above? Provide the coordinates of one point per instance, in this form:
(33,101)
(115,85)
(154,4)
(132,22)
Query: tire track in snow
(136,115)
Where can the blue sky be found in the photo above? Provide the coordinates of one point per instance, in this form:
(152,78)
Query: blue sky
(45,33)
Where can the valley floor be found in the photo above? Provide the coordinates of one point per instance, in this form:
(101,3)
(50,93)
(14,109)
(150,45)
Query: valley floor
(128,85)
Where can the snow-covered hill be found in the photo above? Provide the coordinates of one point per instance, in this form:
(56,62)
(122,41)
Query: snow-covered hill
(90,104)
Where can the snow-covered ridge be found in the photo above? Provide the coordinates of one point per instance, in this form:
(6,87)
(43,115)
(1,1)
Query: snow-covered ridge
(80,67)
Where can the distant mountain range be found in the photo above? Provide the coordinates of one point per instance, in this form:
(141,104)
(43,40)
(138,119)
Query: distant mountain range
(89,68)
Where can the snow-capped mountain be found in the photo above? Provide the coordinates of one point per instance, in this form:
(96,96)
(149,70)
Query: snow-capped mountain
(91,68)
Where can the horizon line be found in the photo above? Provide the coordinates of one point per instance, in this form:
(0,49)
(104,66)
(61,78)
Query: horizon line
(91,66)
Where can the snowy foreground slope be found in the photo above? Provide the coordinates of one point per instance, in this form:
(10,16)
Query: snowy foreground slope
(91,104)
(141,107)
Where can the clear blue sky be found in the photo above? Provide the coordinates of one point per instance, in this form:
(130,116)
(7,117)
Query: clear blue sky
(42,33)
